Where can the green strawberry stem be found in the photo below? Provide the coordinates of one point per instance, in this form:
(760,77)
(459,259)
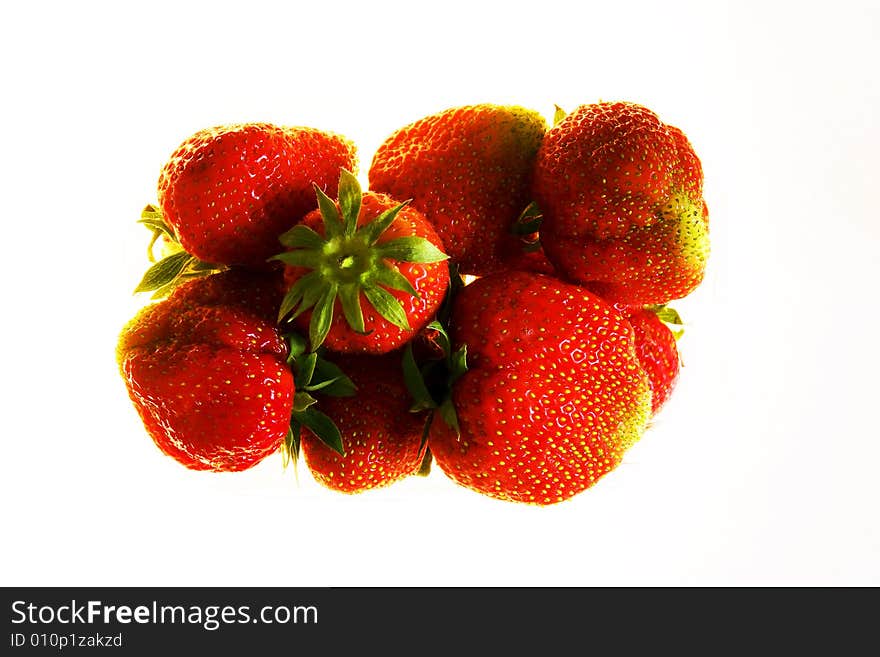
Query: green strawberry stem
(349,262)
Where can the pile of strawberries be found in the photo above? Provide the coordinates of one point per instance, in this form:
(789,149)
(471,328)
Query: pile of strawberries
(495,303)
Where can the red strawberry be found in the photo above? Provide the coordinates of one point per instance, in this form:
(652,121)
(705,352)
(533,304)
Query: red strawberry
(621,193)
(365,275)
(467,169)
(206,371)
(554,393)
(229,192)
(657,352)
(381,439)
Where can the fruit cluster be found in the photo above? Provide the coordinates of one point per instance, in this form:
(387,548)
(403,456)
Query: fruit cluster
(494,304)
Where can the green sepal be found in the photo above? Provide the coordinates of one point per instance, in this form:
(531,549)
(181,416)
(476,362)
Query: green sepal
(290,448)
(323,428)
(447,412)
(457,364)
(156,223)
(307,258)
(152,218)
(329,214)
(322,317)
(311,296)
(305,369)
(415,383)
(670,317)
(529,220)
(302,401)
(164,272)
(425,466)
(319,387)
(297,346)
(341,385)
(387,306)
(445,344)
(426,432)
(297,291)
(349,201)
(350,300)
(411,249)
(395,280)
(558,114)
(456,284)
(301,237)
(371,231)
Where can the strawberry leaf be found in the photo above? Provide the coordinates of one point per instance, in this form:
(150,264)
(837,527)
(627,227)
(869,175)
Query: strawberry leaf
(341,385)
(395,280)
(299,258)
(425,466)
(301,237)
(349,201)
(164,272)
(415,383)
(443,337)
(329,214)
(349,299)
(669,315)
(296,293)
(152,218)
(322,316)
(558,114)
(305,368)
(447,412)
(318,387)
(290,448)
(323,428)
(302,401)
(387,306)
(411,249)
(529,220)
(297,346)
(457,364)
(371,231)
(311,295)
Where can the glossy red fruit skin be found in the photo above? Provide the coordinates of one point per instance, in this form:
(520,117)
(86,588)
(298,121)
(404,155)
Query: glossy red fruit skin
(553,396)
(381,437)
(657,351)
(468,170)
(230,191)
(621,194)
(430,280)
(206,371)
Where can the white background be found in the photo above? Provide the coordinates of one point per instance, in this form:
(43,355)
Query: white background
(763,470)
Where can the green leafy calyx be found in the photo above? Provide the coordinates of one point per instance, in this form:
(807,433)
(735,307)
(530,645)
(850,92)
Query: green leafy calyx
(176,267)
(348,262)
(313,375)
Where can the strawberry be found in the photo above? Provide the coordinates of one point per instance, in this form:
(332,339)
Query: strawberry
(553,393)
(621,193)
(229,192)
(381,440)
(205,369)
(467,169)
(365,274)
(657,350)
